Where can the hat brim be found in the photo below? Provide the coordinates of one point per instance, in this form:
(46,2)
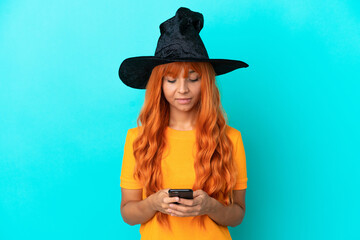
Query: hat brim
(135,71)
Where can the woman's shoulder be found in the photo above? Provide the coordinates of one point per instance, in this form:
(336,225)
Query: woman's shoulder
(233,133)
(134,131)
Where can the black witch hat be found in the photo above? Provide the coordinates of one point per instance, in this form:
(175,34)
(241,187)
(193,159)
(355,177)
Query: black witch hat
(179,42)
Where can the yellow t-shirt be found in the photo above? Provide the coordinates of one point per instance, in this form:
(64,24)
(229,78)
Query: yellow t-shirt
(178,172)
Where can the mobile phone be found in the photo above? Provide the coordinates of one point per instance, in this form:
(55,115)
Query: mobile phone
(181,193)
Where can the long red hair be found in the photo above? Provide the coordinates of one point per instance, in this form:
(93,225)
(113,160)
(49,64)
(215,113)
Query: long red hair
(214,167)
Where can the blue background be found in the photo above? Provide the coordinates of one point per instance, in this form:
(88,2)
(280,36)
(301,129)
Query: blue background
(64,112)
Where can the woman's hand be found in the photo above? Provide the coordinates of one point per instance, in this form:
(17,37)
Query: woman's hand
(160,200)
(200,205)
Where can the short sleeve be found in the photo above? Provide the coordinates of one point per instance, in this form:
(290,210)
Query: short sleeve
(128,163)
(240,160)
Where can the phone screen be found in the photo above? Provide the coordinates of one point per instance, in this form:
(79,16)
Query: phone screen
(181,193)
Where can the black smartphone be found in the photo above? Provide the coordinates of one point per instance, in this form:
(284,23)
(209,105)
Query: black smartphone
(181,193)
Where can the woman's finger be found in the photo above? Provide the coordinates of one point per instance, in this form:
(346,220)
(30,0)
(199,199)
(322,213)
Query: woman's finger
(187,202)
(171,199)
(197,193)
(183,211)
(176,213)
(182,208)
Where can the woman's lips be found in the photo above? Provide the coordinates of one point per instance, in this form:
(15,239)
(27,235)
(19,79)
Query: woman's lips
(183,100)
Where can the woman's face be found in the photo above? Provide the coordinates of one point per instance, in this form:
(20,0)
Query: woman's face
(182,93)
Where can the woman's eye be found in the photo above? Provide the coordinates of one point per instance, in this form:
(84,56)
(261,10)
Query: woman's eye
(192,80)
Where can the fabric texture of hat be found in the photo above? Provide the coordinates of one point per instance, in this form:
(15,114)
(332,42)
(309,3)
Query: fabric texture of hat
(179,42)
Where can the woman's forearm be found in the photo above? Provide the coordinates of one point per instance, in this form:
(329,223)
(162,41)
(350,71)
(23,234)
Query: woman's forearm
(137,212)
(231,215)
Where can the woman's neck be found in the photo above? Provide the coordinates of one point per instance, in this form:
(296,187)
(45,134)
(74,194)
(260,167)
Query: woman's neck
(181,120)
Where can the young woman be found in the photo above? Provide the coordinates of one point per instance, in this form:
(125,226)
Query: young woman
(182,141)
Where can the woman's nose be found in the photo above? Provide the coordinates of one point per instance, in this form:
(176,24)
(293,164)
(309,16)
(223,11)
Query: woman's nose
(183,88)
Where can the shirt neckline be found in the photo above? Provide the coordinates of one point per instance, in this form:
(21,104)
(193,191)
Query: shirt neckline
(183,134)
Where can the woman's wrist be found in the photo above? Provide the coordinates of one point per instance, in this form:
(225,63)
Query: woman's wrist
(150,201)
(213,205)
(230,215)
